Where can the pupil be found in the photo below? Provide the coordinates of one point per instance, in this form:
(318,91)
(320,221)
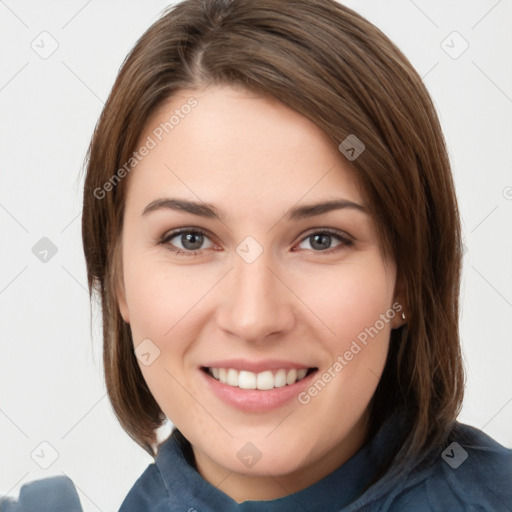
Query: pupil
(192,241)
(321,241)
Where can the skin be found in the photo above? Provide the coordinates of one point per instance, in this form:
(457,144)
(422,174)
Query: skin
(254,158)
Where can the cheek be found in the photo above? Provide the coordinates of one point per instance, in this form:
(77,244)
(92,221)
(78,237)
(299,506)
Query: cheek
(351,299)
(357,307)
(354,302)
(160,296)
(164,308)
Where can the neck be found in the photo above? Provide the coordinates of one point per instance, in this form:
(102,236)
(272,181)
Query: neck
(241,487)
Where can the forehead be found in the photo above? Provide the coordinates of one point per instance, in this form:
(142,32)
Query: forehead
(235,147)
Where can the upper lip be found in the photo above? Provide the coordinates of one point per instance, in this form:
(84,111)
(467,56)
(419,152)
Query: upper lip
(256,366)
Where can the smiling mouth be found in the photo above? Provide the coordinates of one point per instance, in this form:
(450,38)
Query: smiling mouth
(268,379)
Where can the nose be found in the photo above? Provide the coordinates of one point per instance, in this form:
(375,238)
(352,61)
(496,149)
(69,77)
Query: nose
(256,304)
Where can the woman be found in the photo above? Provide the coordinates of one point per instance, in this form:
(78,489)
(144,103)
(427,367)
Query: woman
(271,223)
(270,219)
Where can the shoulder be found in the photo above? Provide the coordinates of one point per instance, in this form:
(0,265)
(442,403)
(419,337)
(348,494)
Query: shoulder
(472,474)
(54,494)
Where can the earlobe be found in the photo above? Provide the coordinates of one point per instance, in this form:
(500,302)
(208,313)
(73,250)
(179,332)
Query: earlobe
(400,317)
(118,283)
(122,304)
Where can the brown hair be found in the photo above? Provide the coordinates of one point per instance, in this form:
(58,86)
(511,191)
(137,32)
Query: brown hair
(331,65)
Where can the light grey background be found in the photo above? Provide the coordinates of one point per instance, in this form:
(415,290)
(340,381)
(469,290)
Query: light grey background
(51,387)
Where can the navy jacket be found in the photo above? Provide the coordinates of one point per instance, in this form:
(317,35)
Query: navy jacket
(472,474)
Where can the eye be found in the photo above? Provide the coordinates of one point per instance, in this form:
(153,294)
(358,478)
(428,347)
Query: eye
(186,242)
(322,241)
(191,241)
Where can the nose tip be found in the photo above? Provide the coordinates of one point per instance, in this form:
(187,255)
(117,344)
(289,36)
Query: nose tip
(255,303)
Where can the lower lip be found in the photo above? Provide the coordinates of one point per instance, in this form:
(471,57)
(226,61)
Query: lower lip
(256,400)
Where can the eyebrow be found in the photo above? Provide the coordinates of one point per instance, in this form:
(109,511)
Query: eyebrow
(212,212)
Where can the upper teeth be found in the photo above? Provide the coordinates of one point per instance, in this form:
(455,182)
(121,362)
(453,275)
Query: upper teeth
(263,380)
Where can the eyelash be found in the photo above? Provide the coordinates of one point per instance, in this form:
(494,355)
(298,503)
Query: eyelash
(344,240)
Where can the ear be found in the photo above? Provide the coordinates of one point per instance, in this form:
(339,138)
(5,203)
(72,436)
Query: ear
(121,301)
(399,304)
(117,280)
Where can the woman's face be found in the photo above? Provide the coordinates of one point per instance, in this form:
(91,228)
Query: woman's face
(250,260)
